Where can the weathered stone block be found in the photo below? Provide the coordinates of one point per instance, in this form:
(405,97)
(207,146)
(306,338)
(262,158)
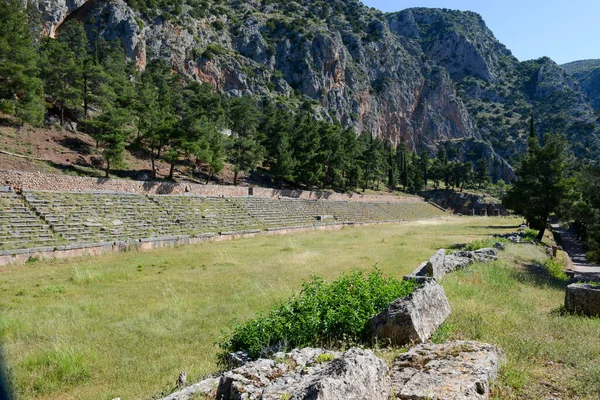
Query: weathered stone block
(437,264)
(583,299)
(454,370)
(207,387)
(412,318)
(356,374)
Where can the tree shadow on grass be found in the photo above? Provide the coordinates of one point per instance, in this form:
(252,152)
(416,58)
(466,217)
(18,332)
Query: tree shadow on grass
(496,227)
(539,277)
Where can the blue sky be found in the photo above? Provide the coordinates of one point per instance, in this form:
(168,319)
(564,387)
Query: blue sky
(562,30)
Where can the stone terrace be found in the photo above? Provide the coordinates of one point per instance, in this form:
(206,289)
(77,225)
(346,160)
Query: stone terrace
(20,227)
(51,219)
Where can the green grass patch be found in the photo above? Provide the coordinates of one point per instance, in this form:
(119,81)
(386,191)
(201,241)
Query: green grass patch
(134,330)
(323,314)
(516,303)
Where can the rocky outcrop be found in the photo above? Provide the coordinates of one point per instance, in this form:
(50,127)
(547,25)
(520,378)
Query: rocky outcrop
(454,370)
(413,318)
(581,298)
(426,76)
(309,374)
(587,73)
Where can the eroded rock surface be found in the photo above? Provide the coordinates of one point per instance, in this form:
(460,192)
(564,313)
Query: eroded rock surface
(412,318)
(454,370)
(310,374)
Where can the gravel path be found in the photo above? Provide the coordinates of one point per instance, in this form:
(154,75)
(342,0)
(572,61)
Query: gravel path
(580,269)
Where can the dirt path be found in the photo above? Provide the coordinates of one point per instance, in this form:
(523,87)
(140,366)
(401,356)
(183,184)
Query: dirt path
(579,267)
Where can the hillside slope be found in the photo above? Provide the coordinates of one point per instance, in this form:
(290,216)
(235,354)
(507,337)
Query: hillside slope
(428,76)
(587,73)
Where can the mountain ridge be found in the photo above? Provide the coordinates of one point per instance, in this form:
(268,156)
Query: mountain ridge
(426,76)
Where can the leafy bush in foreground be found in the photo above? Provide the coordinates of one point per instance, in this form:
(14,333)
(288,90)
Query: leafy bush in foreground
(322,314)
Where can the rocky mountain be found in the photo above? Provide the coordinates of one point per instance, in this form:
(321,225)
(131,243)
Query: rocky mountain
(427,76)
(587,73)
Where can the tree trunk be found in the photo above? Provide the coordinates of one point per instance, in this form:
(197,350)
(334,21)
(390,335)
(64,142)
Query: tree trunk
(171,170)
(235,174)
(107,172)
(540,235)
(153,166)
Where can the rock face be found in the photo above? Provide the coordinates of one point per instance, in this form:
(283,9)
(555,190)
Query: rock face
(310,374)
(587,73)
(454,370)
(427,76)
(583,299)
(412,318)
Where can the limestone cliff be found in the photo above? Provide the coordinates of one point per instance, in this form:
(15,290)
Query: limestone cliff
(426,76)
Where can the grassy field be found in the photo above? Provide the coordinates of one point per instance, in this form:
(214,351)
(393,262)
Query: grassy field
(125,325)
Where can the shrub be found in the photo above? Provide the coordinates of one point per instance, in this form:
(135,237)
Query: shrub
(530,235)
(322,314)
(482,244)
(555,269)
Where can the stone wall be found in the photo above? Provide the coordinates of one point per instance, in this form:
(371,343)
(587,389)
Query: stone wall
(10,257)
(38,181)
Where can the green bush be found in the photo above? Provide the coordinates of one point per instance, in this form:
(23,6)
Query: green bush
(555,268)
(482,244)
(530,235)
(323,314)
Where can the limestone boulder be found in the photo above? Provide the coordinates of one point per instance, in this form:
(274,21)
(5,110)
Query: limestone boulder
(355,375)
(454,370)
(581,298)
(436,264)
(310,374)
(454,262)
(207,387)
(412,318)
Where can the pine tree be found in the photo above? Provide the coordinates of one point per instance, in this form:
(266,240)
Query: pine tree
(541,182)
(401,163)
(307,145)
(62,75)
(246,152)
(277,125)
(483,172)
(21,91)
(112,134)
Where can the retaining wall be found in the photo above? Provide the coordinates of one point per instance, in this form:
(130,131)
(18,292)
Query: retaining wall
(38,181)
(9,257)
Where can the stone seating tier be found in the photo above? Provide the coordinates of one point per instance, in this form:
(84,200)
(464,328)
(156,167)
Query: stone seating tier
(36,218)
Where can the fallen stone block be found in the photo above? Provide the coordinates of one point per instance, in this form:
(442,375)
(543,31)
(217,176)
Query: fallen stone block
(207,387)
(355,375)
(437,264)
(310,374)
(454,370)
(423,270)
(453,262)
(581,298)
(412,318)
